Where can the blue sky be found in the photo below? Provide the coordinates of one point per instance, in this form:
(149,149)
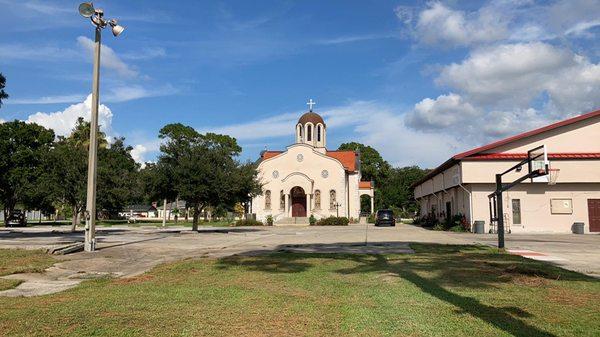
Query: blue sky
(418,81)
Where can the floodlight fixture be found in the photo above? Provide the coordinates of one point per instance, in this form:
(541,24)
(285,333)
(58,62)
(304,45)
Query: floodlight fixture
(86,9)
(116,28)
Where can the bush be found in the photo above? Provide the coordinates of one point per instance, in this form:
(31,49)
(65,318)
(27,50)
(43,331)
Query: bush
(269,220)
(371,218)
(457,228)
(248,222)
(312,220)
(333,221)
(428,221)
(438,227)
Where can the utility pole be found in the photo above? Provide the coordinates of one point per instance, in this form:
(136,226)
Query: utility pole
(90,213)
(87,10)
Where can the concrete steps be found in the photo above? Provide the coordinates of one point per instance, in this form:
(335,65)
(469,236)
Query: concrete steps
(298,221)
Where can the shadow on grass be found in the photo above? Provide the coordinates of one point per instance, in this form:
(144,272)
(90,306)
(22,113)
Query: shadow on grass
(443,265)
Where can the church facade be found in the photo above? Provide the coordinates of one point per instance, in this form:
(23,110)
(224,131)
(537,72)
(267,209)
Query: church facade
(307,179)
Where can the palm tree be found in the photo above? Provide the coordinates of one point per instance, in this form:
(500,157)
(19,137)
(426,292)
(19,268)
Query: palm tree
(3,94)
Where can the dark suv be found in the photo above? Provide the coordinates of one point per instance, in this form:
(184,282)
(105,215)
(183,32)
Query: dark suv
(385,217)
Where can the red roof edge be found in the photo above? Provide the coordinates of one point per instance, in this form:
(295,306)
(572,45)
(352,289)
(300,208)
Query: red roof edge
(527,134)
(365,184)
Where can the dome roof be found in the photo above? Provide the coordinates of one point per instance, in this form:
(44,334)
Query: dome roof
(312,118)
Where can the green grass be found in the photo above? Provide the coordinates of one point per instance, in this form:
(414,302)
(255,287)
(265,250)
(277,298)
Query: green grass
(168,224)
(439,291)
(13,261)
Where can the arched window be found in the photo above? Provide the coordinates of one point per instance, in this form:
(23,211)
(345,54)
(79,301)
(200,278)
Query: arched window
(332,201)
(281,200)
(319,133)
(309,132)
(317,199)
(267,199)
(300,132)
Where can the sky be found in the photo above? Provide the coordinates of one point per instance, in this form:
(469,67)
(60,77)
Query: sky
(418,81)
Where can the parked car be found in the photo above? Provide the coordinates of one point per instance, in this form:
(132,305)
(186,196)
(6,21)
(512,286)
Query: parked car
(385,217)
(16,219)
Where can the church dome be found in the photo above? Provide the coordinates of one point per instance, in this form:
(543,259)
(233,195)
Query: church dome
(311,117)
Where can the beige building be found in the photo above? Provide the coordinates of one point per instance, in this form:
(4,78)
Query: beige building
(461,185)
(308,179)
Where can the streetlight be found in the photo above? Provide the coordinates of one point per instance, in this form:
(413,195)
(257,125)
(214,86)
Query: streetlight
(96,16)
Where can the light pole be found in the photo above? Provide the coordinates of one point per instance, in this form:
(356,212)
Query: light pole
(87,10)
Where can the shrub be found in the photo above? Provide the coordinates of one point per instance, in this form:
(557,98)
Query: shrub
(457,228)
(371,218)
(269,220)
(248,222)
(438,227)
(312,220)
(333,221)
(428,221)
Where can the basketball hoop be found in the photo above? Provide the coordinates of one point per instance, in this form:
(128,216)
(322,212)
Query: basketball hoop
(552,176)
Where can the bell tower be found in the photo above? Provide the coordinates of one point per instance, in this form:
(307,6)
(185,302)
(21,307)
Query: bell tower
(311,128)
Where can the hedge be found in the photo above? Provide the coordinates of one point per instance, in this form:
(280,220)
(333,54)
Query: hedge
(333,221)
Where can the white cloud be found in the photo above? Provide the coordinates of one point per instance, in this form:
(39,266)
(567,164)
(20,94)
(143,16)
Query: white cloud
(49,99)
(372,123)
(439,24)
(110,59)
(512,75)
(582,28)
(442,112)
(63,122)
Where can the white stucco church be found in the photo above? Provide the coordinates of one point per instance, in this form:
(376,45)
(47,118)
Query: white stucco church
(308,179)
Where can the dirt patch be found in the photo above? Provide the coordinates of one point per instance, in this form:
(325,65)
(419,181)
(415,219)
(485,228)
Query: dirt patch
(135,279)
(529,281)
(570,297)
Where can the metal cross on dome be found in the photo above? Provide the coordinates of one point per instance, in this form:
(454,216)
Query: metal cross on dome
(310,104)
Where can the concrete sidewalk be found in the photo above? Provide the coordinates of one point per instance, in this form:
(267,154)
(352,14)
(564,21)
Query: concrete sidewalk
(128,251)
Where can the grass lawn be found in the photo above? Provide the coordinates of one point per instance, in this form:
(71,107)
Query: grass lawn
(439,291)
(14,261)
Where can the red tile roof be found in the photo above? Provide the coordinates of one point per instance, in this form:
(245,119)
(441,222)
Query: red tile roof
(476,152)
(528,134)
(347,158)
(365,185)
(520,156)
(269,154)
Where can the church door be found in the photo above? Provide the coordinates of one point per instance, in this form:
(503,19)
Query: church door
(298,202)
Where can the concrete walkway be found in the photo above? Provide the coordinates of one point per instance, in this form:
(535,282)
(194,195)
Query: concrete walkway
(129,251)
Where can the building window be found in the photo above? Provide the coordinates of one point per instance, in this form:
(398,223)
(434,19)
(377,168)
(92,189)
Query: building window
(319,133)
(281,200)
(317,199)
(309,133)
(332,200)
(300,129)
(268,199)
(516,211)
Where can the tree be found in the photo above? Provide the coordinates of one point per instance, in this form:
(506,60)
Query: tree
(3,94)
(397,191)
(203,169)
(22,151)
(117,176)
(68,164)
(372,165)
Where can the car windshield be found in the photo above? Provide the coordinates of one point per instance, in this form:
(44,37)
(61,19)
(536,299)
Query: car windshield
(385,214)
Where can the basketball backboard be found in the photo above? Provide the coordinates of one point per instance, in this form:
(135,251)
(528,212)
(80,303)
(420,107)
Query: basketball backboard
(538,160)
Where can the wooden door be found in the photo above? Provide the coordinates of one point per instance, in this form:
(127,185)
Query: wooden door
(594,214)
(298,202)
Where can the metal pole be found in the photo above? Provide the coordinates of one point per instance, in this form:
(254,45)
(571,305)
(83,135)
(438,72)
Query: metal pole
(499,212)
(90,221)
(164,213)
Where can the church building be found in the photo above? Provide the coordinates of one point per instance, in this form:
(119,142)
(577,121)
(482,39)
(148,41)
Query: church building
(307,179)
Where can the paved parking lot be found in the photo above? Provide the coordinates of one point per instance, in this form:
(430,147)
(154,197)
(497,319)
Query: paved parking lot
(128,251)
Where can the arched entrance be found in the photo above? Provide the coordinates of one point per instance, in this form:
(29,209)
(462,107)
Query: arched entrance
(298,202)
